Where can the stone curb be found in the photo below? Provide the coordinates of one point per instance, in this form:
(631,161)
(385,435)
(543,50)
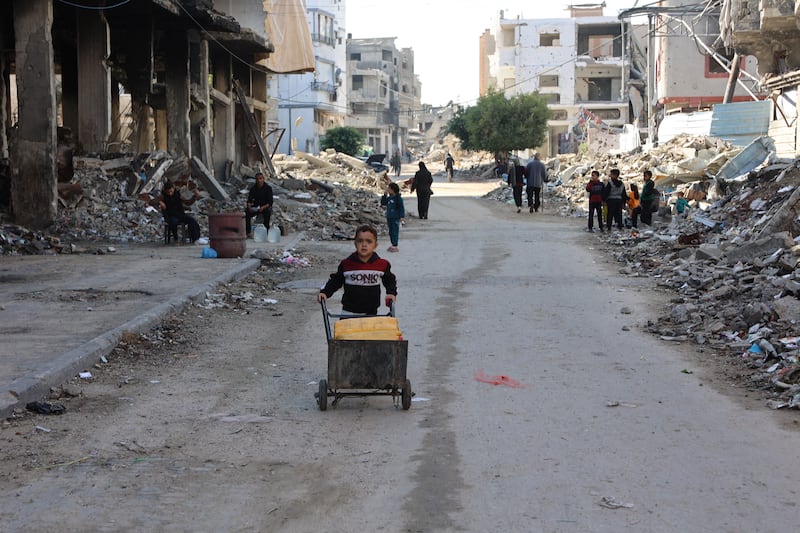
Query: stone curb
(37,384)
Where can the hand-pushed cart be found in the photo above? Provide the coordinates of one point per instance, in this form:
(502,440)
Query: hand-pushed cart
(364,367)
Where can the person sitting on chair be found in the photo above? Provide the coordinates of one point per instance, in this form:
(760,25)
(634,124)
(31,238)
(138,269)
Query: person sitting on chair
(259,200)
(174,213)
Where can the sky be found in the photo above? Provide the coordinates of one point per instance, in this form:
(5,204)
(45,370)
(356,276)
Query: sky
(444,35)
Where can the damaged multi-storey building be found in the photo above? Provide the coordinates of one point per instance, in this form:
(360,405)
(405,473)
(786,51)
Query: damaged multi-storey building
(581,64)
(190,77)
(770,31)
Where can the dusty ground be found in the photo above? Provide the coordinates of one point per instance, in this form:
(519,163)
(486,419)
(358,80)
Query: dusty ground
(212,415)
(160,379)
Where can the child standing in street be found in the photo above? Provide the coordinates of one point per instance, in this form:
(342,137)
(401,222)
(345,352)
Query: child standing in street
(634,207)
(361,274)
(395,210)
(595,189)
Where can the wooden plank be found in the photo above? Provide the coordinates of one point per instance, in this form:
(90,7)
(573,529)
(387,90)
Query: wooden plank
(157,178)
(251,122)
(211,185)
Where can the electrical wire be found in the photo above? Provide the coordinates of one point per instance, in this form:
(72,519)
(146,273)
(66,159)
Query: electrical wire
(94,8)
(259,68)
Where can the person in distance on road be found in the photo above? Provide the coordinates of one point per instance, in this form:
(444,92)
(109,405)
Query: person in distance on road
(634,205)
(395,211)
(615,198)
(516,179)
(647,197)
(595,189)
(396,163)
(448,166)
(422,184)
(362,274)
(536,175)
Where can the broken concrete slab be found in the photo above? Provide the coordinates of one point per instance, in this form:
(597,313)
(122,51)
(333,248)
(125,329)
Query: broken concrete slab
(212,186)
(761,247)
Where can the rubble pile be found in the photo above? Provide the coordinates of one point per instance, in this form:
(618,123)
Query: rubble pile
(116,200)
(728,268)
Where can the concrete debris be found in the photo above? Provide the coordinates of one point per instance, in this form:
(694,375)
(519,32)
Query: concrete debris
(116,200)
(727,268)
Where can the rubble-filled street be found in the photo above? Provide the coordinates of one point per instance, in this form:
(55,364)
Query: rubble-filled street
(526,345)
(726,271)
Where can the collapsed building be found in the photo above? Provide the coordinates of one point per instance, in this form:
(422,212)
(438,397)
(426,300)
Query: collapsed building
(729,268)
(133,77)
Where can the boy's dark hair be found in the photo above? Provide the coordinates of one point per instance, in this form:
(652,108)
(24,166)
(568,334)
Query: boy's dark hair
(167,186)
(614,172)
(647,174)
(395,187)
(366,228)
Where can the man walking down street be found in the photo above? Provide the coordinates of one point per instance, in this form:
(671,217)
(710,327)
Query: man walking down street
(448,166)
(537,175)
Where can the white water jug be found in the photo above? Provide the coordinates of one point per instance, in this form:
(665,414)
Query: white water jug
(274,234)
(260,233)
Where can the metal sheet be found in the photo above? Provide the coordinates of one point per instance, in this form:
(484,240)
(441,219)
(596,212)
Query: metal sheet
(364,364)
(697,123)
(740,123)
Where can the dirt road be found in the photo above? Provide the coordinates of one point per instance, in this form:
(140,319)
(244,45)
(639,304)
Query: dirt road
(210,423)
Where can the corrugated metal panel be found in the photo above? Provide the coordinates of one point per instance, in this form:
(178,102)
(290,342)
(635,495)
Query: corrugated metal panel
(698,123)
(741,122)
(785,138)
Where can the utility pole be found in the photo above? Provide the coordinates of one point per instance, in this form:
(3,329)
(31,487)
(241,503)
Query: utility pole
(732,77)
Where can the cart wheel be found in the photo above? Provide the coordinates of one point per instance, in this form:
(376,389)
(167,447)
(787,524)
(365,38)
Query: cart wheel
(406,397)
(322,397)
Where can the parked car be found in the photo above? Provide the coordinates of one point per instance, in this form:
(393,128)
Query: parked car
(376,162)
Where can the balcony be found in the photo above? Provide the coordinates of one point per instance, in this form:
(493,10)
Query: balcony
(323,86)
(324,39)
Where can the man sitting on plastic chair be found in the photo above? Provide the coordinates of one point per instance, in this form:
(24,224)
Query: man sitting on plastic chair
(174,213)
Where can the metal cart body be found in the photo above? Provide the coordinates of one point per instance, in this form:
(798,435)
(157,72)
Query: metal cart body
(364,367)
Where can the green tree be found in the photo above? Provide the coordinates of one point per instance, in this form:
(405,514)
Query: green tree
(343,139)
(499,125)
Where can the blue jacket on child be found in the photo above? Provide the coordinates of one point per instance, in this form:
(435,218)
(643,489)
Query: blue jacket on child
(394,206)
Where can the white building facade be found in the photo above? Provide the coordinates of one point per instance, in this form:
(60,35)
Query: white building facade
(311,103)
(580,64)
(383,93)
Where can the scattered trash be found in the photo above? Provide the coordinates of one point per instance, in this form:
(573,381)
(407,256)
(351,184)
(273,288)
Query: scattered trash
(42,429)
(46,408)
(209,253)
(686,371)
(498,380)
(289,259)
(202,241)
(617,403)
(609,502)
(85,375)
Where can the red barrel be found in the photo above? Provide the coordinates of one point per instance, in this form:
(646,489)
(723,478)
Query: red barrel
(227,234)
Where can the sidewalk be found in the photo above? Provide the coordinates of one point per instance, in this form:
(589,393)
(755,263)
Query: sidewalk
(60,314)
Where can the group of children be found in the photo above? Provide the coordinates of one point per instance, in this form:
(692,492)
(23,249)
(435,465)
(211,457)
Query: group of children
(608,200)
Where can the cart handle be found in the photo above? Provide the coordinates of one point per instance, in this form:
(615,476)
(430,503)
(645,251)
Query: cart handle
(327,315)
